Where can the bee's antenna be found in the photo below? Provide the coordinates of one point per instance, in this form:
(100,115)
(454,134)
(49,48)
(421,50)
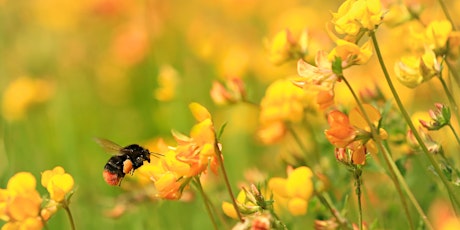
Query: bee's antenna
(157,154)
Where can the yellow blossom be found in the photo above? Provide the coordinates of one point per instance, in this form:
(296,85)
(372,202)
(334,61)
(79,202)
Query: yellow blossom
(354,15)
(412,70)
(437,33)
(58,183)
(198,150)
(397,14)
(350,53)
(284,47)
(21,94)
(280,47)
(283,102)
(297,189)
(20,203)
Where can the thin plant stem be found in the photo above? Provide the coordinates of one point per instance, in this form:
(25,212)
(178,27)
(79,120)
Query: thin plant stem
(411,125)
(301,145)
(199,187)
(219,214)
(446,12)
(344,224)
(455,133)
(453,72)
(388,160)
(358,181)
(227,182)
(69,215)
(452,101)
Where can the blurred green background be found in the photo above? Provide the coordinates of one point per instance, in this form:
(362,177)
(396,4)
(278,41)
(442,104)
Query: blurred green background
(97,68)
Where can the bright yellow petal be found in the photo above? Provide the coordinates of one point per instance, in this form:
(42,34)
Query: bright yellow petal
(59,186)
(297,206)
(22,182)
(199,112)
(299,183)
(229,210)
(278,186)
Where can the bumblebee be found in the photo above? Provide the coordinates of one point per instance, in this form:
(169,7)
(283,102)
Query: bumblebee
(124,160)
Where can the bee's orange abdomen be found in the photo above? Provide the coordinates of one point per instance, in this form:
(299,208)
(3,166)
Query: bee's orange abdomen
(111,178)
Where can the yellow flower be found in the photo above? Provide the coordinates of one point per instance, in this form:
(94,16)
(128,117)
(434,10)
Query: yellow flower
(168,174)
(397,14)
(21,94)
(283,102)
(412,70)
(280,47)
(297,189)
(20,203)
(58,183)
(350,53)
(437,33)
(284,47)
(198,150)
(354,15)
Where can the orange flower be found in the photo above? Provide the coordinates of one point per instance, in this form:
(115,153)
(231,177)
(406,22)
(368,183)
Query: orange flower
(341,132)
(352,134)
(198,150)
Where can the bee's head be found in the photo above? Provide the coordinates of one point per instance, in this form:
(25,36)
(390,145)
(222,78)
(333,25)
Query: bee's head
(138,154)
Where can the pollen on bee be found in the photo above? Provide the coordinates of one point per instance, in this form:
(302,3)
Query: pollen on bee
(111,178)
(127,166)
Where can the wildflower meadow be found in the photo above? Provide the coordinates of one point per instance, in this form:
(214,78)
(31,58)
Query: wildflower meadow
(232,114)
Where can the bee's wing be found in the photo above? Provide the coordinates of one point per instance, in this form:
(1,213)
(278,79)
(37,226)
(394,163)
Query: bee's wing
(109,146)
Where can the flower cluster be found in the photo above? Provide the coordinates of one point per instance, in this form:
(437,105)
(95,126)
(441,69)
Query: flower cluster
(191,157)
(424,62)
(22,206)
(291,194)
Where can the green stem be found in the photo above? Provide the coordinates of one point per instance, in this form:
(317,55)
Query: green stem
(227,182)
(452,101)
(344,224)
(411,125)
(453,72)
(301,145)
(357,175)
(446,12)
(199,187)
(388,160)
(455,133)
(69,215)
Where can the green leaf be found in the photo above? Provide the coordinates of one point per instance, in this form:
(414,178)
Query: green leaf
(337,66)
(221,131)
